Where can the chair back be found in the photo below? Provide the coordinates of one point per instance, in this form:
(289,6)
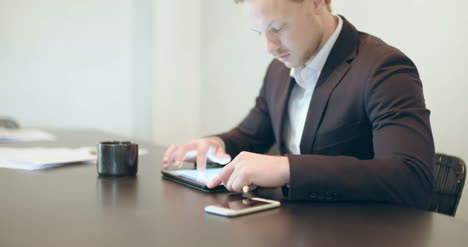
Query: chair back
(449,179)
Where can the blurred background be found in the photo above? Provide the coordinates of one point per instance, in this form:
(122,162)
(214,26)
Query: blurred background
(168,71)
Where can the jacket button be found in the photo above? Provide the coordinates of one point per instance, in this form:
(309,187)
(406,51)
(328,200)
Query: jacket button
(321,196)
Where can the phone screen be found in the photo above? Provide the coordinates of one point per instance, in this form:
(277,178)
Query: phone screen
(237,201)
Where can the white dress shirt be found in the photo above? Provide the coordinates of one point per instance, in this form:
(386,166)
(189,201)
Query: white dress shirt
(306,77)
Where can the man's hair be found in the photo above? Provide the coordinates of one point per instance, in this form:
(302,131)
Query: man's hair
(327,2)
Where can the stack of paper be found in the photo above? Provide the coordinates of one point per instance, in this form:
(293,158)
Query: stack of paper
(42,158)
(21,135)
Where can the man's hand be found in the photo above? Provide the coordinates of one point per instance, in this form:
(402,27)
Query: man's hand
(210,148)
(254,170)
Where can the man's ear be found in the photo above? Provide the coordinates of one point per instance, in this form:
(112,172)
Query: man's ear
(317,6)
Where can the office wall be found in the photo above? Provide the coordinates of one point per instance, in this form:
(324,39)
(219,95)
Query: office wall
(233,65)
(432,33)
(177,76)
(77,64)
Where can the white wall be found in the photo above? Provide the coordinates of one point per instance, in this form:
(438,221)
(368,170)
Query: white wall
(177,86)
(433,34)
(70,64)
(233,65)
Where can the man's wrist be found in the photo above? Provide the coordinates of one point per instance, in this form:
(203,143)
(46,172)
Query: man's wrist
(286,174)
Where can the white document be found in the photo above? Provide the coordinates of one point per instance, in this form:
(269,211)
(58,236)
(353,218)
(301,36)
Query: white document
(24,135)
(42,158)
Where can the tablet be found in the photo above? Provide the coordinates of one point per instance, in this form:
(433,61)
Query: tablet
(189,177)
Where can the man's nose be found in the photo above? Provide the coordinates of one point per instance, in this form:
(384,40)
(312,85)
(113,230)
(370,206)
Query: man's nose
(272,45)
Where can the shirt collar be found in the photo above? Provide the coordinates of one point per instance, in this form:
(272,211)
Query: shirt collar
(314,65)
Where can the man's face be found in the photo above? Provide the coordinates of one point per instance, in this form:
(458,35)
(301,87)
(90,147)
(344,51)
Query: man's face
(293,31)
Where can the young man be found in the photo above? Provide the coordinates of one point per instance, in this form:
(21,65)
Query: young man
(346,109)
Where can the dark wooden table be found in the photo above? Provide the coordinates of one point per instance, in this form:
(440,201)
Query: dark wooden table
(72,206)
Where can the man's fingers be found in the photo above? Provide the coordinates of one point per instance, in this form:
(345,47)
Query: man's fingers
(199,151)
(214,182)
(231,180)
(239,182)
(169,156)
(179,158)
(202,152)
(238,179)
(221,156)
(225,173)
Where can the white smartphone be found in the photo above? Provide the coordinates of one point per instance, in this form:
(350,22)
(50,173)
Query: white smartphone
(238,205)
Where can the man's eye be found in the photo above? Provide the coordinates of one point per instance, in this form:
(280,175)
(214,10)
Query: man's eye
(279,28)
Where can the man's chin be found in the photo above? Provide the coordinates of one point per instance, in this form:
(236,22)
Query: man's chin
(287,64)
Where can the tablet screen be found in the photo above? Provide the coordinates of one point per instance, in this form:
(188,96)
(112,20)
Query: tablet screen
(193,174)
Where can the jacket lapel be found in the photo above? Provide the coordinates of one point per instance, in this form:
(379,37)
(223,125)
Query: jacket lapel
(336,67)
(284,92)
(318,105)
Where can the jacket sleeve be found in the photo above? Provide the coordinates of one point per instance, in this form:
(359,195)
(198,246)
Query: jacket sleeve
(401,170)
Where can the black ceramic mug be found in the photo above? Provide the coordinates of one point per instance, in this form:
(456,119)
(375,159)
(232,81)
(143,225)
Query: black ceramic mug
(117,158)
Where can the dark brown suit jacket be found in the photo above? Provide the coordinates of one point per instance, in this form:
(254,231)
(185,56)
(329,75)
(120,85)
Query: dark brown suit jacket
(367,134)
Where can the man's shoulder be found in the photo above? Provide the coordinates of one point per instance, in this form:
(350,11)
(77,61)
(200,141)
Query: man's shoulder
(373,48)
